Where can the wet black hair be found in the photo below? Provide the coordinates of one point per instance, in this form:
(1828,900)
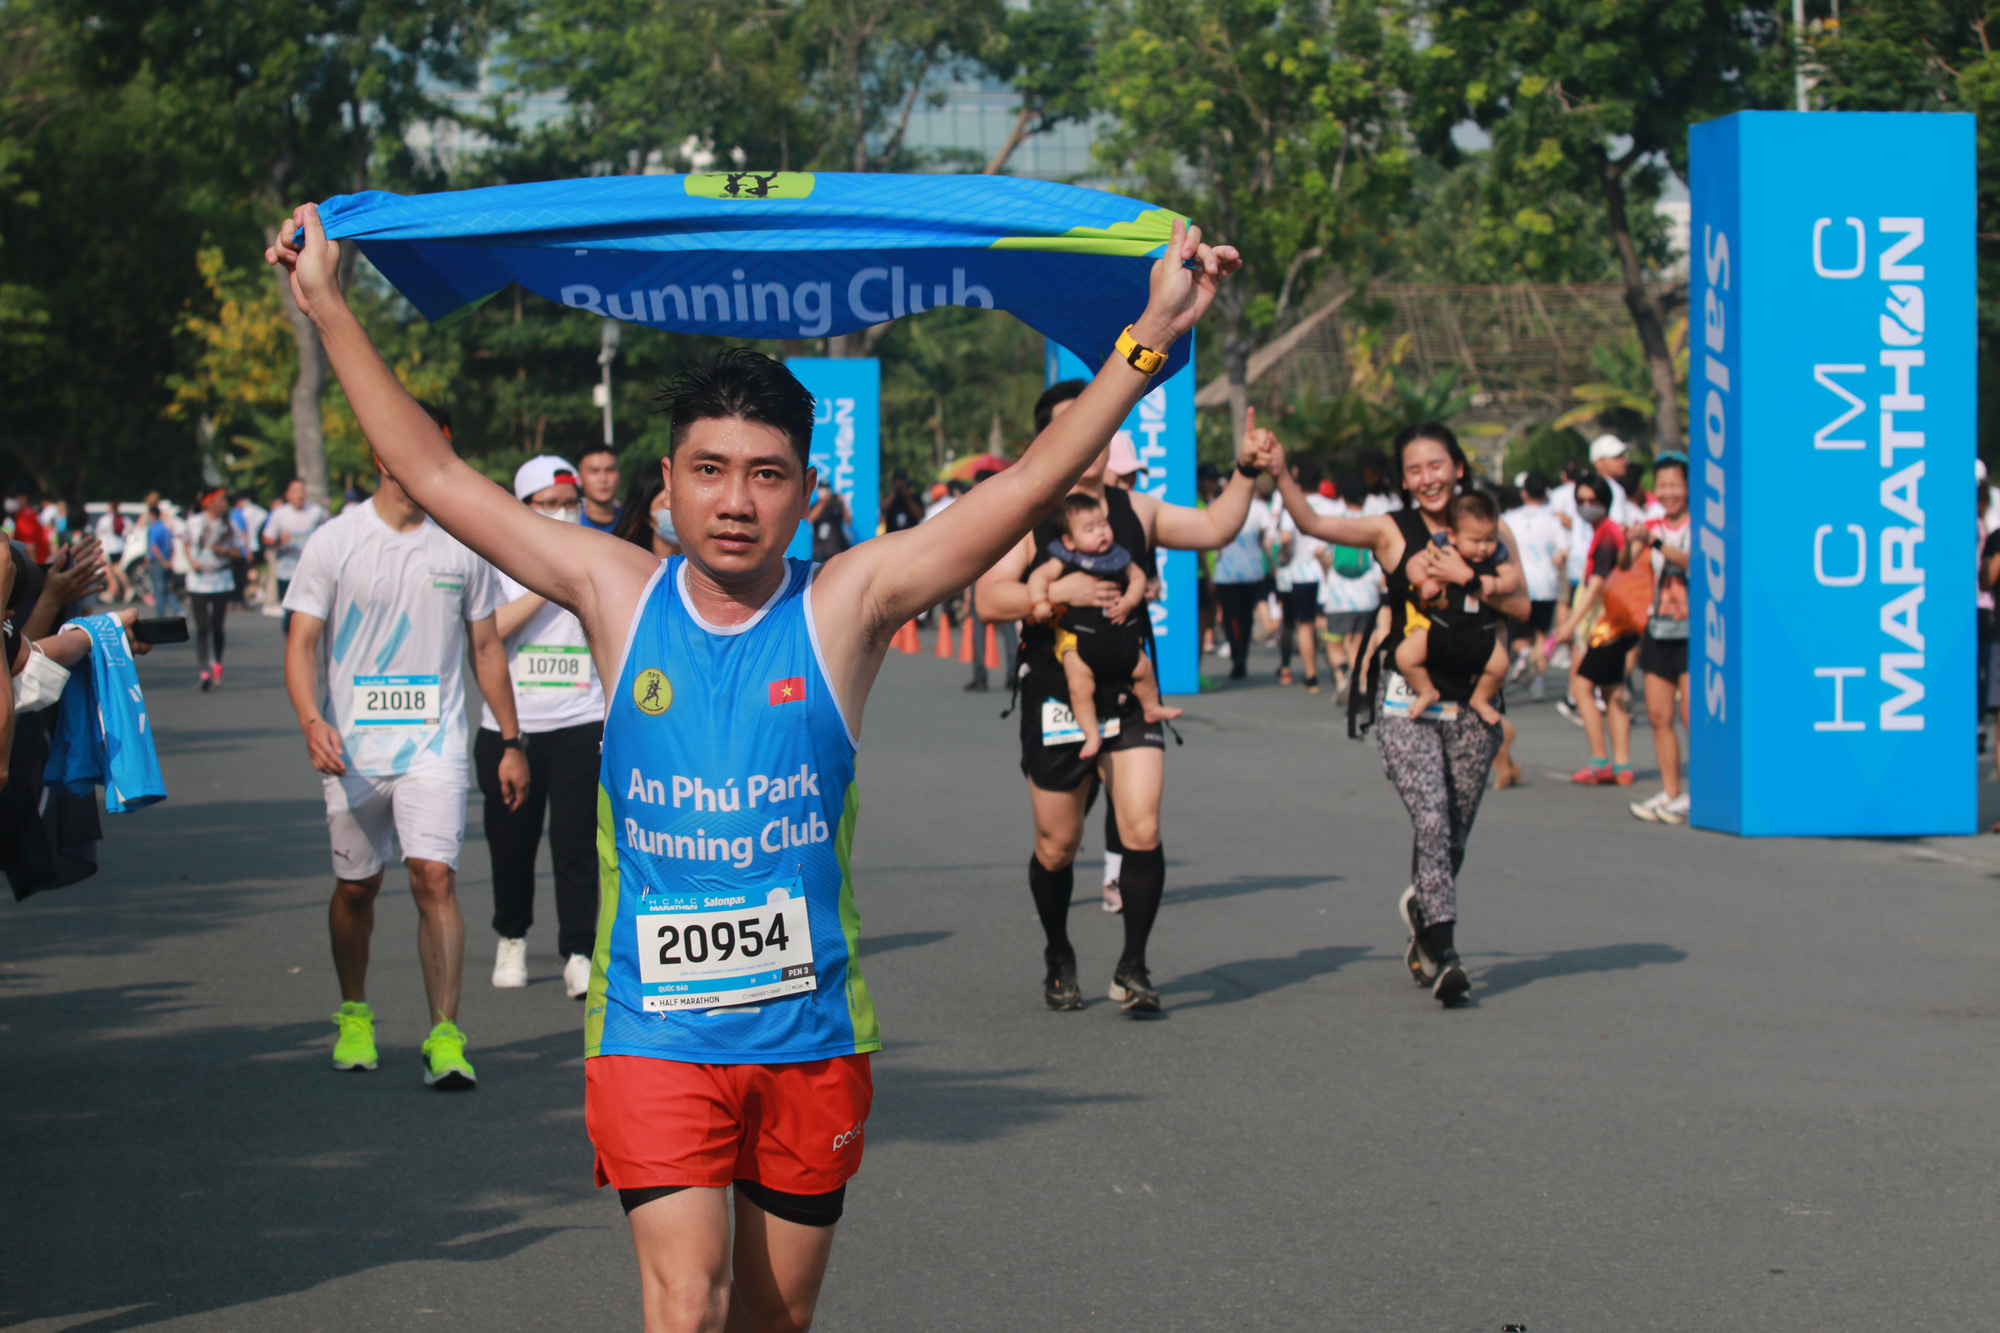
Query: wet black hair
(743,385)
(1060,392)
(600,447)
(1429,430)
(1307,472)
(1535,486)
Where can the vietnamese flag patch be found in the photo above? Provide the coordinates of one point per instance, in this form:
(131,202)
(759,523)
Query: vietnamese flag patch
(790,689)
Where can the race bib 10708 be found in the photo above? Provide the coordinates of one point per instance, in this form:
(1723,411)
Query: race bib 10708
(714,949)
(544,666)
(395,701)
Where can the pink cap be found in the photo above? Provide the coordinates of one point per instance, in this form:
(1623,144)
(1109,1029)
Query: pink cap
(1124,458)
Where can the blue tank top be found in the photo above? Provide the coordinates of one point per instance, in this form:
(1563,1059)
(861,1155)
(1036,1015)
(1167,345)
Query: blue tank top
(726,929)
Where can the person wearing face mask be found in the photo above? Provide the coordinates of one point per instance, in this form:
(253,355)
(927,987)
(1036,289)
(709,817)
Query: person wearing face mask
(644,518)
(560,703)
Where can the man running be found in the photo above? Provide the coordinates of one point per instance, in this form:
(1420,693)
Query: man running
(1133,763)
(285,532)
(387,732)
(728,1027)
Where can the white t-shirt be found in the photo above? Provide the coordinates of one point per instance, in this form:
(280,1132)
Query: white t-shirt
(1303,569)
(1544,544)
(395,606)
(555,682)
(1337,593)
(289,528)
(1242,560)
(209,542)
(109,536)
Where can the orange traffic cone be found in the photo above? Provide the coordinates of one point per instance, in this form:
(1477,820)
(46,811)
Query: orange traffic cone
(992,649)
(965,640)
(944,635)
(906,638)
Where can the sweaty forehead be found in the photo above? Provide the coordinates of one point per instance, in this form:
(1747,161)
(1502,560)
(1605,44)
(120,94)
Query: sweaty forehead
(735,438)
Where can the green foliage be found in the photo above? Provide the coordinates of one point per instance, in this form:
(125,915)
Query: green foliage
(1273,123)
(1476,223)
(1926,55)
(1545,449)
(947,376)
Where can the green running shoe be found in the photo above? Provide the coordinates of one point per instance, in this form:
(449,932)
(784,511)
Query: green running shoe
(354,1048)
(445,1065)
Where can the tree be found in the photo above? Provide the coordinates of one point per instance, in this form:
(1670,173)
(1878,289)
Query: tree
(1045,50)
(291,100)
(1926,55)
(1272,123)
(1596,96)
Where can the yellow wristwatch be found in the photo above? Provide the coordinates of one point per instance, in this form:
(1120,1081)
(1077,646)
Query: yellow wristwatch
(1144,359)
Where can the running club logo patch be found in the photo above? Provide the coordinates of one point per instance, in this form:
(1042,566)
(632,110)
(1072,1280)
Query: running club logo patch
(788,690)
(749,184)
(652,694)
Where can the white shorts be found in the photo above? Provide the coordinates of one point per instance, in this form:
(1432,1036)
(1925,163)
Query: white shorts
(367,816)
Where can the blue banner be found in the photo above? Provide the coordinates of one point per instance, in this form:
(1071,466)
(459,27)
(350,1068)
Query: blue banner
(1161,431)
(748,254)
(847,439)
(1832,409)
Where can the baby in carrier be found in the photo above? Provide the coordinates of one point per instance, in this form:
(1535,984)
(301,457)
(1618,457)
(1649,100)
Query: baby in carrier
(1094,643)
(1450,633)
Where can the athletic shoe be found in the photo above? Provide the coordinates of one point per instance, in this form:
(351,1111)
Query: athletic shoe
(1650,808)
(1423,968)
(1515,668)
(205,680)
(1132,987)
(1623,775)
(215,674)
(1059,989)
(1312,684)
(1590,775)
(1284,675)
(1568,710)
(354,1048)
(1538,688)
(1675,811)
(576,976)
(1114,901)
(1452,984)
(510,964)
(445,1065)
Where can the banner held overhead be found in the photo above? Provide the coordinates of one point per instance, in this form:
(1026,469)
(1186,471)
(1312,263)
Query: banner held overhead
(760,254)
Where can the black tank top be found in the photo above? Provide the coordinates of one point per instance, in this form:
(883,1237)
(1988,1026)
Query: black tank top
(1416,536)
(1038,642)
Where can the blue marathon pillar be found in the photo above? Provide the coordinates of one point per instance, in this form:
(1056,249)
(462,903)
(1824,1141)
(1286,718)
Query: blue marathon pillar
(1832,416)
(1161,430)
(847,438)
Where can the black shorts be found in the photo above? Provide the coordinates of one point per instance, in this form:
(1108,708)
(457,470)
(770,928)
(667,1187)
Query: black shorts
(1663,657)
(1541,619)
(1058,767)
(1605,664)
(1301,602)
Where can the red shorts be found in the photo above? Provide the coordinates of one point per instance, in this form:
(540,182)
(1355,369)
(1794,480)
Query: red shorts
(794,1128)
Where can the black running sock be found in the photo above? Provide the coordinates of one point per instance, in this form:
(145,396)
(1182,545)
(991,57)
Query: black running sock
(1052,889)
(1141,880)
(1436,941)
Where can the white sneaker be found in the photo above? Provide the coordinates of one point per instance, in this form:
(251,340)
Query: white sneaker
(1653,808)
(1675,811)
(510,964)
(576,976)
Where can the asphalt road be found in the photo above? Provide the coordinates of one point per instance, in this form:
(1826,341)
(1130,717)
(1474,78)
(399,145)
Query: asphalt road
(1704,1083)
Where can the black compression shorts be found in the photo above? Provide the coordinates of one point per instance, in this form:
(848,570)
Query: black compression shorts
(1605,664)
(1059,767)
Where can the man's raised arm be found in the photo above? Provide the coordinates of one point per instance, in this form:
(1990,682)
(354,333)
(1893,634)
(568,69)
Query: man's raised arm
(892,578)
(553,558)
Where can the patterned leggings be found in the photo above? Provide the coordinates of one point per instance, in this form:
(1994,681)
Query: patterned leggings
(1440,770)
